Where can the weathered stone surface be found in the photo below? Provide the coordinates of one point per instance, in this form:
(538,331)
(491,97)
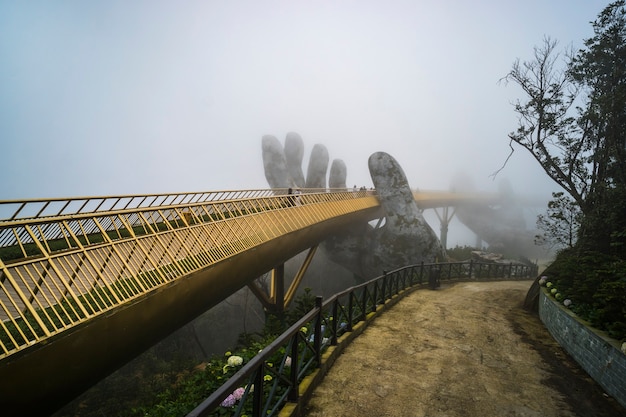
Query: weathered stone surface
(283,166)
(294,152)
(318,166)
(275,163)
(406,238)
(338,174)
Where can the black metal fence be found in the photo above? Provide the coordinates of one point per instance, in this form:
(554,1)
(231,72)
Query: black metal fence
(272,378)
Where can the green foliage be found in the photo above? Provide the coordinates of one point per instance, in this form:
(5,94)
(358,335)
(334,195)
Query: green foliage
(190,388)
(596,284)
(573,122)
(460,253)
(302,305)
(559,226)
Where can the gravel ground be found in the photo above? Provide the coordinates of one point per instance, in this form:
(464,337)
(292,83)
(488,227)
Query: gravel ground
(466,349)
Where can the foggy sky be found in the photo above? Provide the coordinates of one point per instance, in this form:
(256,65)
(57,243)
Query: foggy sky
(123,97)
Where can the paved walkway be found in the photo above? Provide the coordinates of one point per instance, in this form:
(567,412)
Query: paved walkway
(465,350)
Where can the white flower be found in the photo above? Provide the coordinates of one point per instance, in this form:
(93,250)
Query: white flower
(567,302)
(235,360)
(543,280)
(624,347)
(288,362)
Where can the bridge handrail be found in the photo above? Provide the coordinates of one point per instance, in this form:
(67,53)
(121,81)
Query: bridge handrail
(329,320)
(11,229)
(36,208)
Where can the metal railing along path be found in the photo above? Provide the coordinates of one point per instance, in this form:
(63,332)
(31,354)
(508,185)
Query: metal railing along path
(65,261)
(279,380)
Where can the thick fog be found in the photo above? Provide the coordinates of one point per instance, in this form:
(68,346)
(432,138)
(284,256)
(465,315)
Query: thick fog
(119,97)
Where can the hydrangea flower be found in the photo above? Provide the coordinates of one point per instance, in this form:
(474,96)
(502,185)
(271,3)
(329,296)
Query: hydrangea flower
(553,291)
(233,361)
(543,280)
(229,401)
(567,302)
(549,285)
(267,378)
(238,393)
(288,362)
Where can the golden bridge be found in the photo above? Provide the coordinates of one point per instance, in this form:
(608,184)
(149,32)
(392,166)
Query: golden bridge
(88,283)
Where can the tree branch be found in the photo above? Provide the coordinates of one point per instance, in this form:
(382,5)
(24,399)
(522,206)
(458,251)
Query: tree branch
(505,161)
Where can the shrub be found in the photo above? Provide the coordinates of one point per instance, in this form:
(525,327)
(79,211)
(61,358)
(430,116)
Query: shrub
(596,285)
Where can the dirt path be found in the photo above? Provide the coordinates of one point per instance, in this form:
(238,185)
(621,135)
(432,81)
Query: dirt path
(466,349)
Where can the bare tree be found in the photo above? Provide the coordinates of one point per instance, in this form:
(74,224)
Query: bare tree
(547,128)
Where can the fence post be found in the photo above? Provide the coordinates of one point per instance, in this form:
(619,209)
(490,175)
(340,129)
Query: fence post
(363,304)
(351,310)
(375,300)
(293,372)
(333,340)
(257,397)
(471,269)
(384,288)
(317,341)
(421,271)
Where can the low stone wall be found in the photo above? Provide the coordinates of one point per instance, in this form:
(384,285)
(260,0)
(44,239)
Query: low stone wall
(594,351)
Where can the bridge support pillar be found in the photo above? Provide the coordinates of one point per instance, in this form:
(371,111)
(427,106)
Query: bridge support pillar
(278,299)
(277,289)
(444,221)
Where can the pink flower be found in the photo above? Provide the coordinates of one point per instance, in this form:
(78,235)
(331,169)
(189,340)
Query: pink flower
(229,401)
(238,393)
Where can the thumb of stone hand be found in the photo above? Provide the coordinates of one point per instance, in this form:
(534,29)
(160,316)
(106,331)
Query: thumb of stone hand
(406,238)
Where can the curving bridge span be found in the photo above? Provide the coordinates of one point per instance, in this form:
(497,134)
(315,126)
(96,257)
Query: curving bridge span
(88,283)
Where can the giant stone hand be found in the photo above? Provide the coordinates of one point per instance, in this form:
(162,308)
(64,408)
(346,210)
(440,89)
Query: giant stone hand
(404,239)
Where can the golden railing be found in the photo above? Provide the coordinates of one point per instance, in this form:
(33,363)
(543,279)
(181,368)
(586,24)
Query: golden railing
(64,261)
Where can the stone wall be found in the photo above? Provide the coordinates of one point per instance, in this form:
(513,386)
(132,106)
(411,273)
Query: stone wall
(599,355)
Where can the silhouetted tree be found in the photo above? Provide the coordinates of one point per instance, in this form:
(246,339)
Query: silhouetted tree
(560,224)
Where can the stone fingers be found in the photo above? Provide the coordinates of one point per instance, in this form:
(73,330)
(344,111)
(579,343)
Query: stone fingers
(275,163)
(318,166)
(338,174)
(294,152)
